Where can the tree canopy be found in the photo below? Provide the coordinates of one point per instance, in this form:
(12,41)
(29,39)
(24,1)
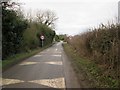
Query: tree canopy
(20,34)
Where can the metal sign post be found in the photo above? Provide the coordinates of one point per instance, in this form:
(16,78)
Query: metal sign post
(42,38)
(42,42)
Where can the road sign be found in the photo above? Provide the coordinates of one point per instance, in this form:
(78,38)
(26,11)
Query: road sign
(42,37)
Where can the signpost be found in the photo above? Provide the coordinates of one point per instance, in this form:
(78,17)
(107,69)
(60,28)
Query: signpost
(42,38)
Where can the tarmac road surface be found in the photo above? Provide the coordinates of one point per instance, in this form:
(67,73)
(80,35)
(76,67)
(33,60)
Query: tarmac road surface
(47,69)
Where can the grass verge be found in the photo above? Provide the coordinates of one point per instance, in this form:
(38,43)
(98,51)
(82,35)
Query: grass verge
(89,74)
(10,61)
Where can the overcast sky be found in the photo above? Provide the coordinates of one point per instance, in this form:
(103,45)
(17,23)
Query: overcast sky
(75,16)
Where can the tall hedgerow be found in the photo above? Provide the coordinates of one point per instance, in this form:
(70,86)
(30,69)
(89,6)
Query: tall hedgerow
(102,45)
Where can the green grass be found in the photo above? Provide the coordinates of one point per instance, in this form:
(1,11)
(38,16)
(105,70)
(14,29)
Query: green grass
(10,61)
(88,72)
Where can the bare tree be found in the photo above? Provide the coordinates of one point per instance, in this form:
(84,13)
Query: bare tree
(29,16)
(50,17)
(40,16)
(46,17)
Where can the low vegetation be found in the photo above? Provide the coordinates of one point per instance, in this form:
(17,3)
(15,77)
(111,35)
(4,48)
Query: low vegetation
(100,46)
(88,72)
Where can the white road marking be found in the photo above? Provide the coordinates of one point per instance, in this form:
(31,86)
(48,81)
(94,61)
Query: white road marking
(55,63)
(10,81)
(28,63)
(37,56)
(54,83)
(56,55)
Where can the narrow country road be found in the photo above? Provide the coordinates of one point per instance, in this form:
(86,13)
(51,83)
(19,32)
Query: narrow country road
(47,69)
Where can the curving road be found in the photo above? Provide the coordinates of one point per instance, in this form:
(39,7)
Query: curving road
(47,69)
